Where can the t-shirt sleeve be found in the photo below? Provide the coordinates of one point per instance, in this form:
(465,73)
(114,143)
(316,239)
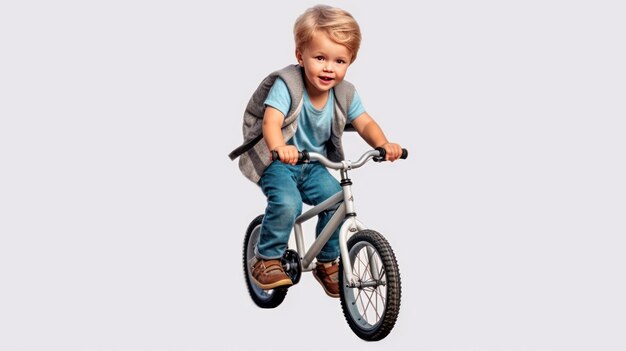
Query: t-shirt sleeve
(356,108)
(278,97)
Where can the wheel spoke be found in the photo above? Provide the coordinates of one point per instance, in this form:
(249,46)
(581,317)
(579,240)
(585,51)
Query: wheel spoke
(374,304)
(358,295)
(370,303)
(366,274)
(363,307)
(374,298)
(363,263)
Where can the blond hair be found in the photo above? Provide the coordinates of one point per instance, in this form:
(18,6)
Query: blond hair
(340,26)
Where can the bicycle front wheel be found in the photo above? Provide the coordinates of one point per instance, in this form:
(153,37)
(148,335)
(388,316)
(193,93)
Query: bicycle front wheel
(371,308)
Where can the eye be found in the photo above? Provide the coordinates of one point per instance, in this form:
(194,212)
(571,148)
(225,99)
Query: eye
(319,58)
(340,61)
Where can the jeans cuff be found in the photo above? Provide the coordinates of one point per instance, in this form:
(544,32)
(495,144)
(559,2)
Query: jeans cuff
(263,257)
(327,256)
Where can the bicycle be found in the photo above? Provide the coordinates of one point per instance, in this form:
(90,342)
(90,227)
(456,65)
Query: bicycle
(369,278)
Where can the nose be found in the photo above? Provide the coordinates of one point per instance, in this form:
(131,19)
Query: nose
(328,67)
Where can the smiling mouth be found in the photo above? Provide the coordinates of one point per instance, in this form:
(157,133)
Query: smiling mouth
(326,79)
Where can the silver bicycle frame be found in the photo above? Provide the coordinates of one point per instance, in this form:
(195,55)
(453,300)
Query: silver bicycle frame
(345,211)
(351,225)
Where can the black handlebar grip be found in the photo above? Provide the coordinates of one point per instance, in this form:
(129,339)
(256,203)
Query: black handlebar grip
(383,154)
(274,155)
(405,154)
(303,156)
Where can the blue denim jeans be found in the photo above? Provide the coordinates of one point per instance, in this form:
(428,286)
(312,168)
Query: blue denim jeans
(286,188)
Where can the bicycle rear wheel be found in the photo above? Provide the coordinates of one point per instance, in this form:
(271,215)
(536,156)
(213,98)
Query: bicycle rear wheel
(371,308)
(262,298)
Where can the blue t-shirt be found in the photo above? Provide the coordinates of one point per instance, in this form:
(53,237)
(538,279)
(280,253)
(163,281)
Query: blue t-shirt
(314,126)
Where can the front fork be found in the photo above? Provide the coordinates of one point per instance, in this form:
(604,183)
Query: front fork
(349,227)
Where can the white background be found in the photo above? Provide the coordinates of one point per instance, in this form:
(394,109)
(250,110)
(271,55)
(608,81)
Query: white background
(122,219)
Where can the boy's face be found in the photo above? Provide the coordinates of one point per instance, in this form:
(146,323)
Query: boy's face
(325,63)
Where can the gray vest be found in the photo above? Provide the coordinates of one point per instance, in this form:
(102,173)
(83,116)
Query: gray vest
(255,156)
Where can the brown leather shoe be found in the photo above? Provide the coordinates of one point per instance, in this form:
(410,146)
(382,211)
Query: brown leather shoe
(328,277)
(269,274)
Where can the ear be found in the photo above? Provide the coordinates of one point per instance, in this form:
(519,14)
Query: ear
(299,58)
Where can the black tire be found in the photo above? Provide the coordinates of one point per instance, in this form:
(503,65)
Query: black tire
(262,298)
(371,319)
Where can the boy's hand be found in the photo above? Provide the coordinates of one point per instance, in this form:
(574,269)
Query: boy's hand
(393,151)
(287,154)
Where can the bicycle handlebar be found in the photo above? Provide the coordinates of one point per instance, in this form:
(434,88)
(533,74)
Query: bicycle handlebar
(378,155)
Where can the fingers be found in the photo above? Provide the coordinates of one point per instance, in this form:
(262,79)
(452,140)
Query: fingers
(288,154)
(393,151)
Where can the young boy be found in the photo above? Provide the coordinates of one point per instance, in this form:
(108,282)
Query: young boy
(306,110)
